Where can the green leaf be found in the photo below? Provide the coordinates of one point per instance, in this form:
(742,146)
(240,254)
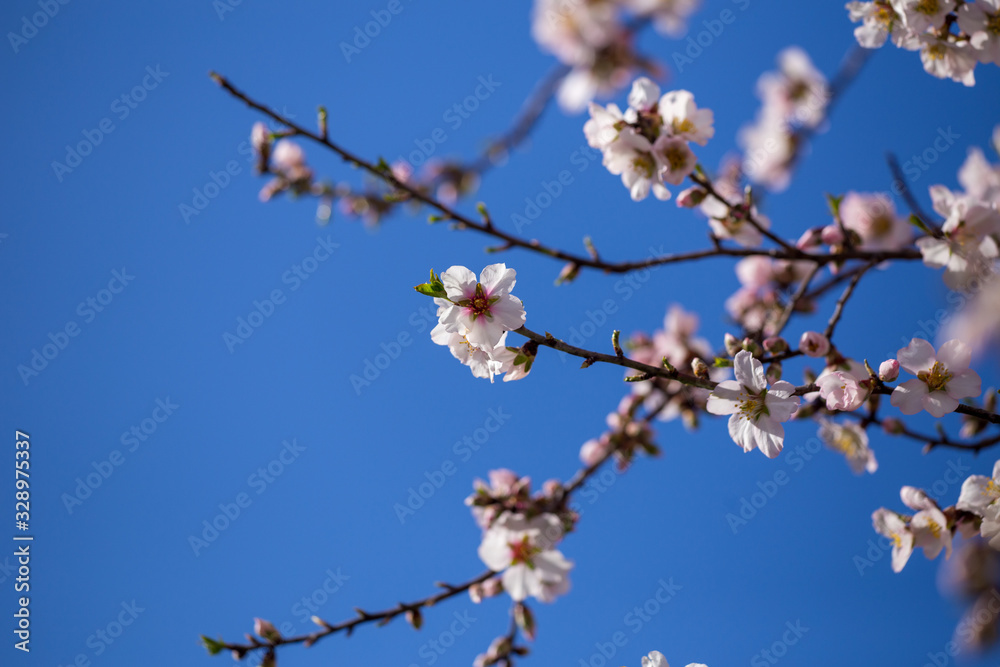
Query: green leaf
(214,647)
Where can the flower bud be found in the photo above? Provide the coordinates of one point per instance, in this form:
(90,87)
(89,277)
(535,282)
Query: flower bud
(691,197)
(525,621)
(775,345)
(568,273)
(814,344)
(831,235)
(732,345)
(774,372)
(892,426)
(265,629)
(752,346)
(415,618)
(700,368)
(888,371)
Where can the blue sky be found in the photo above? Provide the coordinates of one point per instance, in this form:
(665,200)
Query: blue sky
(100,262)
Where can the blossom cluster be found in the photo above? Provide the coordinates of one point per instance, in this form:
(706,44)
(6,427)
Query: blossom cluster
(520,533)
(647,145)
(474,316)
(967,245)
(796,96)
(933,528)
(952,36)
(591,37)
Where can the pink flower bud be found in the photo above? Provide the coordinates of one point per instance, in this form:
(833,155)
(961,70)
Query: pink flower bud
(831,235)
(691,197)
(842,391)
(892,426)
(775,344)
(265,629)
(732,345)
(814,344)
(888,371)
(288,155)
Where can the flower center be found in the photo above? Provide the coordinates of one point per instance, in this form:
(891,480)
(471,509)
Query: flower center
(753,406)
(935,528)
(644,164)
(936,378)
(676,159)
(881,226)
(683,126)
(929,7)
(897,540)
(522,552)
(993,24)
(846,443)
(936,52)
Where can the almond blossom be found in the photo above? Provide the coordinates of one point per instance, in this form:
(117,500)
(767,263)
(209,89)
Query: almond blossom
(850,440)
(878,21)
(942,379)
(873,217)
(481,310)
(656,659)
(842,390)
(968,248)
(980,19)
(892,525)
(757,412)
(929,525)
(921,15)
(523,550)
(980,496)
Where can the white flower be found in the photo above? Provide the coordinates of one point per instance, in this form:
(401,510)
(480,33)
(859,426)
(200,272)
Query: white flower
(523,550)
(980,179)
(879,20)
(891,525)
(941,380)
(947,59)
(757,412)
(980,19)
(604,125)
(632,158)
(978,324)
(980,493)
(684,119)
(669,15)
(968,248)
(484,362)
(675,158)
(873,217)
(920,15)
(850,440)
(481,310)
(798,92)
(573,31)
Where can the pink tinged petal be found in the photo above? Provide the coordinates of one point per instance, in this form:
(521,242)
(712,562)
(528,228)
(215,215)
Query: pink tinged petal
(781,408)
(749,372)
(917,356)
(996,470)
(916,499)
(909,396)
(955,355)
(966,384)
(497,279)
(459,282)
(938,403)
(508,312)
(901,553)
